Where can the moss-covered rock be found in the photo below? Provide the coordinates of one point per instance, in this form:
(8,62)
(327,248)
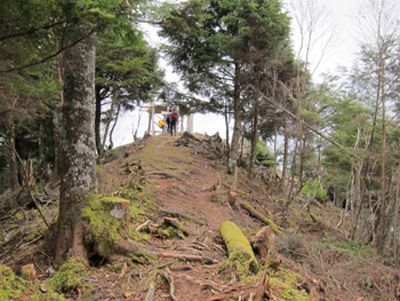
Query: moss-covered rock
(13,288)
(241,255)
(107,218)
(69,276)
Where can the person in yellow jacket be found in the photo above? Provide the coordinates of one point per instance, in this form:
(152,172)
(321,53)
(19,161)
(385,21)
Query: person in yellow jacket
(162,124)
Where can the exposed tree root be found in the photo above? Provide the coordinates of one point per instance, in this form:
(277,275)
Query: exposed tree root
(170,280)
(137,252)
(263,291)
(181,215)
(150,292)
(187,257)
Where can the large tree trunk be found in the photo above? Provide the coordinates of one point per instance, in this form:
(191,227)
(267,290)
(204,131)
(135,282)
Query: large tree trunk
(78,172)
(237,127)
(57,120)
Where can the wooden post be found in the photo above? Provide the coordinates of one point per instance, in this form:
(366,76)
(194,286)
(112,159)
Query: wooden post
(181,128)
(189,124)
(152,120)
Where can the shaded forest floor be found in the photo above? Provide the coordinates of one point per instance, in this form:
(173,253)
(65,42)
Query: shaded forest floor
(312,260)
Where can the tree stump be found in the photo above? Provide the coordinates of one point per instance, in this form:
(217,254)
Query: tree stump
(106,220)
(264,242)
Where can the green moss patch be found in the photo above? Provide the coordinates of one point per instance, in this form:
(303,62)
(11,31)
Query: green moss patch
(141,200)
(170,232)
(284,285)
(107,217)
(69,276)
(110,217)
(351,249)
(15,288)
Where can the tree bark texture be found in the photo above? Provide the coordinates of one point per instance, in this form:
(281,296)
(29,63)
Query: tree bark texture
(57,120)
(237,127)
(78,170)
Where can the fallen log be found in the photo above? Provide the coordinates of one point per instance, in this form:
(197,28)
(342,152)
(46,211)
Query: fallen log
(187,257)
(181,215)
(241,255)
(262,218)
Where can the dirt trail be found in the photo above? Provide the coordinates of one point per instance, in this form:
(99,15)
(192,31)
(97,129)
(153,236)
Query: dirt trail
(182,181)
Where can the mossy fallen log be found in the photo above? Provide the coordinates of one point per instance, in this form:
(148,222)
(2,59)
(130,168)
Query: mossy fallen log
(261,217)
(241,255)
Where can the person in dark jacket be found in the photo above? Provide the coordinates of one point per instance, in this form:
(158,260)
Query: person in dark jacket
(174,120)
(168,121)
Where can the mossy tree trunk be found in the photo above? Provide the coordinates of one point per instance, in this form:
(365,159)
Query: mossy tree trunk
(78,166)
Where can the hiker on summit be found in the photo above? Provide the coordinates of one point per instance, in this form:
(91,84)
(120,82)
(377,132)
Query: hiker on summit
(174,117)
(162,125)
(168,121)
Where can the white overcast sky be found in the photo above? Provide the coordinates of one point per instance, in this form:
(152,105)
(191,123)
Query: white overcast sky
(346,17)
